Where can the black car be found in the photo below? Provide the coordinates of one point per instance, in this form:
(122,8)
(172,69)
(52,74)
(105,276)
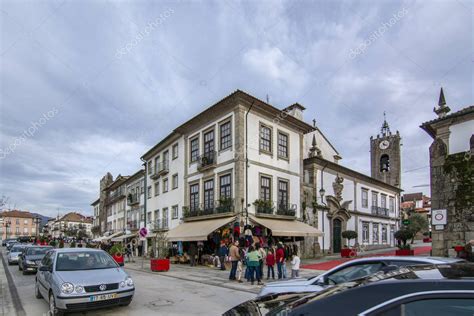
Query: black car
(445,289)
(5,241)
(31,256)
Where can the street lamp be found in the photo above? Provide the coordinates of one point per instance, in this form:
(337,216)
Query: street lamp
(7,225)
(37,220)
(322,192)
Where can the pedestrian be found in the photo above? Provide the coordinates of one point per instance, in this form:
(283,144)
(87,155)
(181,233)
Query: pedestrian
(270,261)
(128,252)
(234,259)
(240,264)
(263,254)
(254,258)
(280,260)
(223,253)
(295,266)
(192,252)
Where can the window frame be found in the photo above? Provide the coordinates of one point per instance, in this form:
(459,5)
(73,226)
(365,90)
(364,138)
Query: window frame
(165,187)
(366,204)
(229,136)
(260,139)
(282,133)
(227,187)
(194,194)
(287,183)
(157,188)
(174,181)
(270,188)
(173,214)
(175,151)
(193,159)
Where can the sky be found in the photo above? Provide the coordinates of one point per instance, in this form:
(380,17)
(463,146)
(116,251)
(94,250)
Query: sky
(87,87)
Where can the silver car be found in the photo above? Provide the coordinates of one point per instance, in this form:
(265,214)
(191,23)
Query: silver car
(349,271)
(75,279)
(14,252)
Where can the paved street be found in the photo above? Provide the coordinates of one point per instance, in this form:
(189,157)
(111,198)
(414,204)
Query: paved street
(155,293)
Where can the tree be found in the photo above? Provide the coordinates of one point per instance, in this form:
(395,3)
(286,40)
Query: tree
(349,234)
(418,223)
(403,235)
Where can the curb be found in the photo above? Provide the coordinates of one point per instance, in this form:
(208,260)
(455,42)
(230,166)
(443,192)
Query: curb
(19,311)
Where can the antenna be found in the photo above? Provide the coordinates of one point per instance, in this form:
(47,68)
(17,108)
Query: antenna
(268,99)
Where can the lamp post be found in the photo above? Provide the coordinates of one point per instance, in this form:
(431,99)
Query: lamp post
(7,225)
(37,220)
(322,192)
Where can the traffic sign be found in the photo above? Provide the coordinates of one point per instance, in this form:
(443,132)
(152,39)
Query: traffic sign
(406,222)
(439,217)
(143,232)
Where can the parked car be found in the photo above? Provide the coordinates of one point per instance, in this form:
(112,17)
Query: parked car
(5,241)
(11,243)
(435,290)
(14,252)
(72,279)
(30,257)
(348,271)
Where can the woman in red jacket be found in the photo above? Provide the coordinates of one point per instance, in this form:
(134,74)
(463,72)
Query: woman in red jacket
(270,261)
(280,259)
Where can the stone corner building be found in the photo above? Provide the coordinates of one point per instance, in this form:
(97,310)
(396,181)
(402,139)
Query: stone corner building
(451,164)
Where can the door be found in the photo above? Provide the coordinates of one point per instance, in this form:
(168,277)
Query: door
(336,235)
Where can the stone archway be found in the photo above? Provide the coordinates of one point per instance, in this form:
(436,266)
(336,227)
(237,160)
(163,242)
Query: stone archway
(338,216)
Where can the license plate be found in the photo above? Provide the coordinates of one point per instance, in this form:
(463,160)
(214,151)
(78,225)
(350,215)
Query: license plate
(102,297)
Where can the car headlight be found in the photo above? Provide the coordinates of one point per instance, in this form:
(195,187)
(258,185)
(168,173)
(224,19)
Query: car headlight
(79,289)
(129,281)
(29,262)
(122,284)
(67,288)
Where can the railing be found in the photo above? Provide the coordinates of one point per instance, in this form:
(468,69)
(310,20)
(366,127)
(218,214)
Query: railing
(286,209)
(222,206)
(161,224)
(160,169)
(272,208)
(132,224)
(381,211)
(207,160)
(115,196)
(133,199)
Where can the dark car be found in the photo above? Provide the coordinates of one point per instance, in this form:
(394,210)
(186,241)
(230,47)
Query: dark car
(10,244)
(444,289)
(30,258)
(5,241)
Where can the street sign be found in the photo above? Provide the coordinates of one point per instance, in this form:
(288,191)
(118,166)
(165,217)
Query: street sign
(439,217)
(406,222)
(439,227)
(143,232)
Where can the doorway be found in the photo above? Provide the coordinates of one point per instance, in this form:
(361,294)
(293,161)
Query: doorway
(336,235)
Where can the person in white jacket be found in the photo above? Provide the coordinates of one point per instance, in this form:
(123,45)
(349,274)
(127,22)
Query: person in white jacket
(295,266)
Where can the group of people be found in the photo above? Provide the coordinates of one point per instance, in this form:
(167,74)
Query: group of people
(255,258)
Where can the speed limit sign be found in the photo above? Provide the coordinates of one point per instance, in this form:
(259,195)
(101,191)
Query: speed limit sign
(439,217)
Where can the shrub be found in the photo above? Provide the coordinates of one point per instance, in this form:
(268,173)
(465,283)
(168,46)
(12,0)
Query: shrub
(52,243)
(61,244)
(349,234)
(73,244)
(116,249)
(403,235)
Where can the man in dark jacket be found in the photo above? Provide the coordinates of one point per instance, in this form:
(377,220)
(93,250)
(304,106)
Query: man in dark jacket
(192,252)
(222,253)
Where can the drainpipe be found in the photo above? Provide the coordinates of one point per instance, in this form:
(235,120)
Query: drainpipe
(247,165)
(322,201)
(145,190)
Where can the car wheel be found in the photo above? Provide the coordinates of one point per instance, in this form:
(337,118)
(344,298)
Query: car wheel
(53,311)
(9,263)
(37,291)
(126,304)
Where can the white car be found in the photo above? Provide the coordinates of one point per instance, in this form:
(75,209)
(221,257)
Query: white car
(348,271)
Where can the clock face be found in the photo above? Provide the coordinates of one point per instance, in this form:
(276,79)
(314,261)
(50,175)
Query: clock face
(384,144)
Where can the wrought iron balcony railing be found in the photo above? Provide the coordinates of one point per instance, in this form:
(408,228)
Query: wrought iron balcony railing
(207,160)
(272,208)
(221,206)
(161,224)
(133,199)
(380,211)
(160,169)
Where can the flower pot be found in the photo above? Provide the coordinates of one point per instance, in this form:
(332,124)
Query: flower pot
(404,252)
(348,253)
(458,248)
(427,239)
(119,259)
(158,265)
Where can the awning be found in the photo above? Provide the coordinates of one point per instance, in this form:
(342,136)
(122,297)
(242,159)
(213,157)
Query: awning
(287,228)
(99,239)
(121,238)
(113,235)
(198,230)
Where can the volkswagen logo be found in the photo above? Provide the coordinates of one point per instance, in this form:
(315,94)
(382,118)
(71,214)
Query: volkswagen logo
(103,287)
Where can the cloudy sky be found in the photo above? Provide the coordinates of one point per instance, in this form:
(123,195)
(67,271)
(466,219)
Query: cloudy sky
(88,86)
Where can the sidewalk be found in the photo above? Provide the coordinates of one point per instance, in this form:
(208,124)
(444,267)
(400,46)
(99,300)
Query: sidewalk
(6,302)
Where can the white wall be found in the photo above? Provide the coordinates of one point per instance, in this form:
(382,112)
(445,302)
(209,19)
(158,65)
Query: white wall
(327,151)
(460,136)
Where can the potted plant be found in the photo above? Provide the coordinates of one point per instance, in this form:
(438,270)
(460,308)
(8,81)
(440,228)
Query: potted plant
(117,253)
(263,206)
(427,237)
(348,252)
(458,247)
(73,244)
(403,248)
(160,258)
(61,243)
(53,243)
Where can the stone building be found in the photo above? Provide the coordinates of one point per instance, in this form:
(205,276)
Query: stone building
(452,174)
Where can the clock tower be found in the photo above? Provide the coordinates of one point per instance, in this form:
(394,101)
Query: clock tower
(385,158)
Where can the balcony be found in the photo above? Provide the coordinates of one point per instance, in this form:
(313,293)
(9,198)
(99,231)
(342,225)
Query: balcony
(206,161)
(117,195)
(133,199)
(271,209)
(132,225)
(221,208)
(160,169)
(161,225)
(380,211)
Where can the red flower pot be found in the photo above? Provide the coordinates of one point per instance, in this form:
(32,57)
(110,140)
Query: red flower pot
(158,265)
(119,259)
(348,253)
(458,248)
(427,239)
(404,252)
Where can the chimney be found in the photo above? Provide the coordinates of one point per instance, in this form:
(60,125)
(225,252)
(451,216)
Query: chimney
(295,110)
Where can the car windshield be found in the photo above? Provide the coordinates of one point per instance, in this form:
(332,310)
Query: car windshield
(17,248)
(82,260)
(35,251)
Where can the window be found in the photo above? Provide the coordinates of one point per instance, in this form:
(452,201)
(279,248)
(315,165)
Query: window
(17,230)
(148,217)
(383,201)
(282,193)
(225,186)
(434,306)
(166,160)
(282,145)
(365,198)
(148,192)
(174,212)
(149,167)
(209,195)
(157,188)
(208,142)
(365,232)
(375,198)
(226,135)
(265,138)
(194,149)
(375,231)
(391,204)
(174,151)
(157,216)
(174,181)
(384,233)
(194,197)
(265,188)
(353,272)
(165,217)
(157,164)
(18,221)
(25,222)
(165,185)
(25,230)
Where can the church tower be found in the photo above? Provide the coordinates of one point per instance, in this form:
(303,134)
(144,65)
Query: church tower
(385,158)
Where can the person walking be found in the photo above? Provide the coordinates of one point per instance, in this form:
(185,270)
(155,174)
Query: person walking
(223,252)
(192,252)
(270,261)
(240,264)
(254,258)
(234,259)
(295,266)
(280,259)
(263,255)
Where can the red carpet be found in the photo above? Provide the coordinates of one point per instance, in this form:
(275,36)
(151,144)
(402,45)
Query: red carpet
(331,264)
